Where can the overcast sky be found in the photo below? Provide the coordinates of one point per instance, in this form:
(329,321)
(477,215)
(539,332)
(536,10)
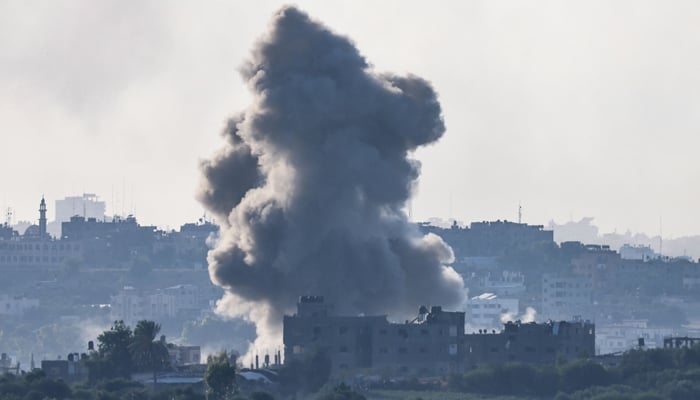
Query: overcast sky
(571,108)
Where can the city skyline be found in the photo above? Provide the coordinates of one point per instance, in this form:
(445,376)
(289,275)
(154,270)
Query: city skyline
(570,109)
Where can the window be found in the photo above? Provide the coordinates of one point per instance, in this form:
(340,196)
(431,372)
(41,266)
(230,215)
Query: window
(453,331)
(403,350)
(343,349)
(452,349)
(343,330)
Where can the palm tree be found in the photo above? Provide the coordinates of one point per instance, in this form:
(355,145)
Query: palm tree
(148,352)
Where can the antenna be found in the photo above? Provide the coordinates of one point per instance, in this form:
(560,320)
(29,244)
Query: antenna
(410,210)
(661,237)
(520,213)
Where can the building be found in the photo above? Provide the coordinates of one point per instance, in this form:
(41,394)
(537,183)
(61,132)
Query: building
(428,344)
(432,343)
(531,343)
(490,238)
(184,355)
(625,335)
(629,252)
(6,365)
(16,306)
(187,299)
(70,370)
(87,206)
(34,252)
(36,248)
(132,305)
(505,283)
(565,296)
(487,310)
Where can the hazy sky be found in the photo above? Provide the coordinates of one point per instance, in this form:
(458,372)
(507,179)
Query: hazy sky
(572,108)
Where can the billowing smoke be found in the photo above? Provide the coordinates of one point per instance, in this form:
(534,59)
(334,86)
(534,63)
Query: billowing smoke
(530,315)
(310,185)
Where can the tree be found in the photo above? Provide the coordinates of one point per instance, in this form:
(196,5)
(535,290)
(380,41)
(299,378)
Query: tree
(113,358)
(147,351)
(220,376)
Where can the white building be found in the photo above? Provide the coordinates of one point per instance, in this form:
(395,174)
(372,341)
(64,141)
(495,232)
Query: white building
(566,296)
(487,311)
(187,298)
(623,336)
(132,305)
(16,306)
(88,206)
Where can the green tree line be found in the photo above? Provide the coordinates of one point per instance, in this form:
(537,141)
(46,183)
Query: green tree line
(640,375)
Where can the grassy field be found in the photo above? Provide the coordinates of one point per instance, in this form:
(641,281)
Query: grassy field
(415,395)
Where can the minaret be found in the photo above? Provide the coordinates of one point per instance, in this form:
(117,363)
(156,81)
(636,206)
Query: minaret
(42,218)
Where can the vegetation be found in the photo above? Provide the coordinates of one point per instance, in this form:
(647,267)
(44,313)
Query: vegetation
(640,375)
(220,377)
(653,374)
(146,350)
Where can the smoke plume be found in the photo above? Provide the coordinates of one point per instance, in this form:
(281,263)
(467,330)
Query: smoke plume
(310,185)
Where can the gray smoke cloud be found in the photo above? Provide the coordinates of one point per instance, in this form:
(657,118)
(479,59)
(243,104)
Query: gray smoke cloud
(310,185)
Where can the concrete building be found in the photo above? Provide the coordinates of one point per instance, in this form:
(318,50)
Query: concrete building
(486,310)
(87,206)
(428,344)
(432,343)
(490,238)
(625,335)
(188,301)
(630,252)
(71,370)
(132,305)
(35,248)
(531,343)
(6,365)
(34,252)
(184,355)
(16,306)
(505,283)
(566,296)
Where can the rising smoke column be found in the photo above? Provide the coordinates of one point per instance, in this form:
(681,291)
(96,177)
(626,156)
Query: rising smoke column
(310,185)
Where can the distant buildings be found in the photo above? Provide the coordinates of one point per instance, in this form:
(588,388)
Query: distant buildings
(181,301)
(94,242)
(491,238)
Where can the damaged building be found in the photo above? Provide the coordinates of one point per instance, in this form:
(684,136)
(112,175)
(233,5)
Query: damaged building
(434,342)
